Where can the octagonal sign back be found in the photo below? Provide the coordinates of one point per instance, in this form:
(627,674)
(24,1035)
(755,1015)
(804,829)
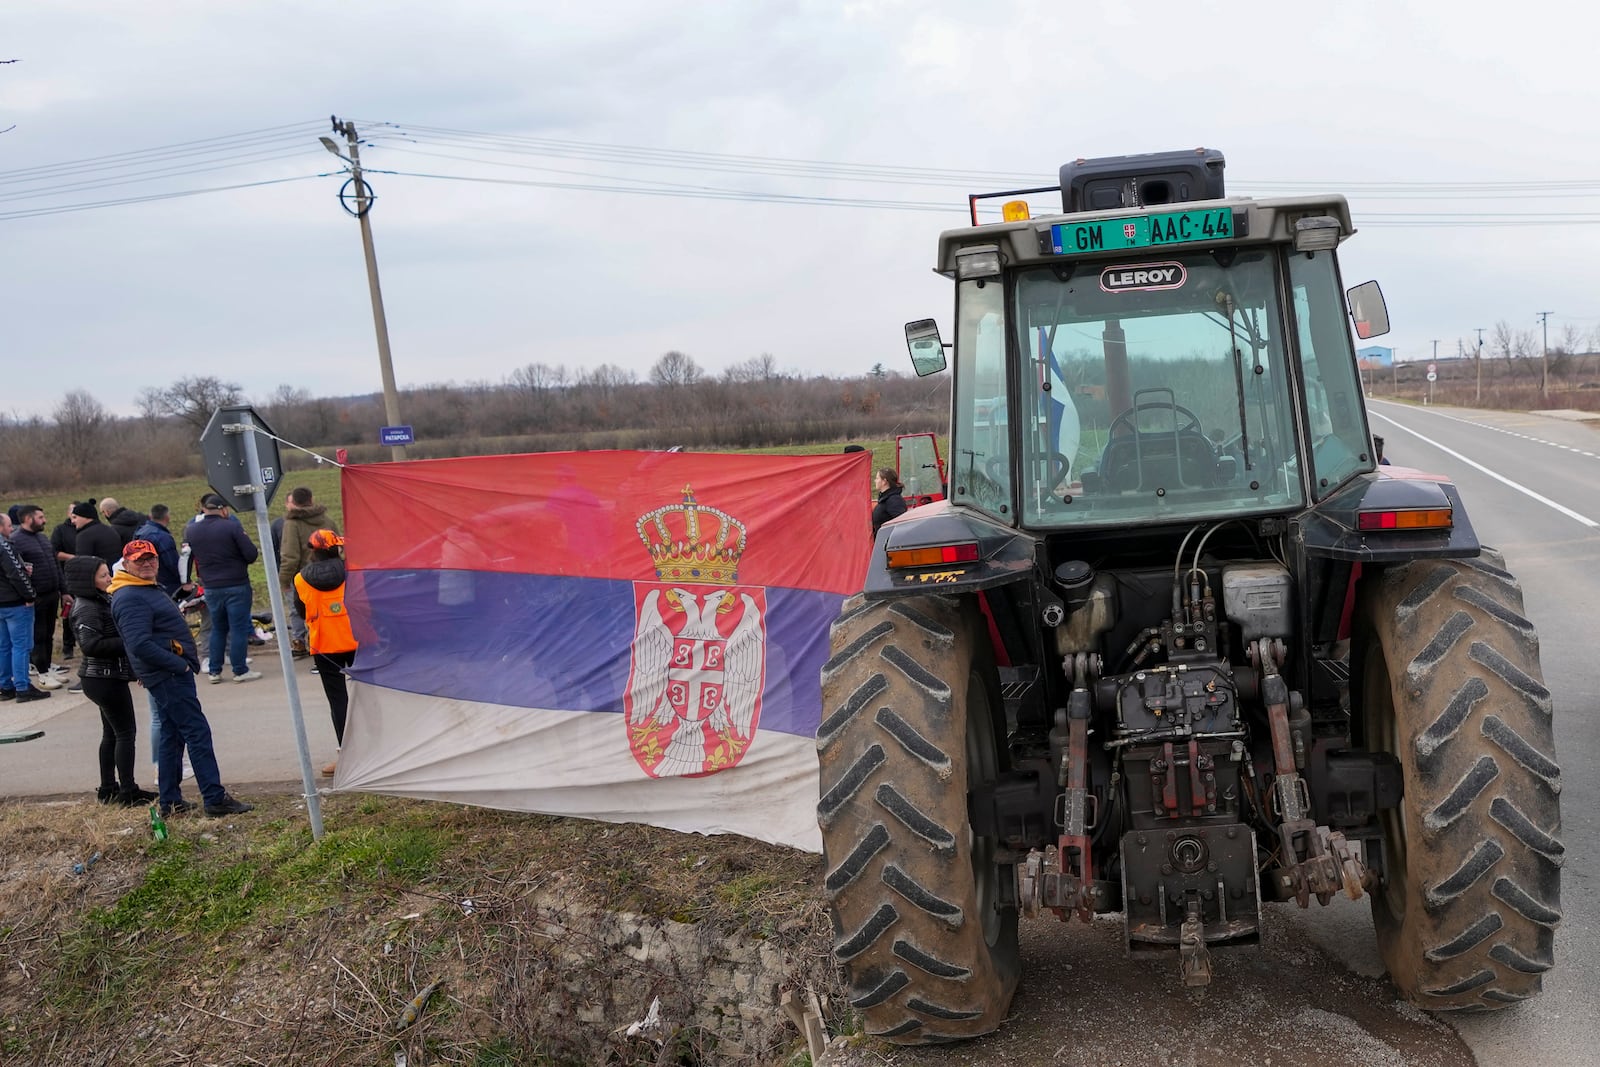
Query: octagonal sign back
(227,469)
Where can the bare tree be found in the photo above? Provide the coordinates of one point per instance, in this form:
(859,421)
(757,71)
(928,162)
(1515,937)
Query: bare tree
(1570,341)
(1504,339)
(537,378)
(762,368)
(191,399)
(80,429)
(675,369)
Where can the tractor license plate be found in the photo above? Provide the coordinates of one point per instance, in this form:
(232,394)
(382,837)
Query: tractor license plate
(1142,231)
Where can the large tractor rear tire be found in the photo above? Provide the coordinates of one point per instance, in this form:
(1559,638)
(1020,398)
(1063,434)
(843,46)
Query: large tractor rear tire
(1448,674)
(910,706)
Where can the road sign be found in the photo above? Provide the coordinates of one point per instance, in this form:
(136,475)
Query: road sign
(1433,369)
(228,469)
(1432,377)
(396,435)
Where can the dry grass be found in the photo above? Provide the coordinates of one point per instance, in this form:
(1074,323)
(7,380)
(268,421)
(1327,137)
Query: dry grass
(242,942)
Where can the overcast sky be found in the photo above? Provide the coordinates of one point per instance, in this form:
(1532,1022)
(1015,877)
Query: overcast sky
(265,285)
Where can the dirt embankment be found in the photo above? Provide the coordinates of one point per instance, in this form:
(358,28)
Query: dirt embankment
(241,941)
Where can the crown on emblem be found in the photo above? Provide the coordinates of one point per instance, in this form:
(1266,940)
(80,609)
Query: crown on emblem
(691,542)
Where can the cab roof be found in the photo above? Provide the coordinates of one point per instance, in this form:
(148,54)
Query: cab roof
(1247,220)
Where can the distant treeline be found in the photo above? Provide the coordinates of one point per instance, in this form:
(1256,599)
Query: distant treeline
(537,408)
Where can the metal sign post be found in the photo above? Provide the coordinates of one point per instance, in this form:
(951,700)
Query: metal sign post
(255,489)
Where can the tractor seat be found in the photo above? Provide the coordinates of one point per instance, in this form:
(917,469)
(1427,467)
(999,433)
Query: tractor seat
(1161,460)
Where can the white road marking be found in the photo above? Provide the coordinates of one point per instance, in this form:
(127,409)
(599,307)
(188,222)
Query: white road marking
(1563,509)
(1508,433)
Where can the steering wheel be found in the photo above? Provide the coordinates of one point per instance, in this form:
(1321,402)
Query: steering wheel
(1127,418)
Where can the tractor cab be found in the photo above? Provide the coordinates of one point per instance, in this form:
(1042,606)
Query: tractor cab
(1151,361)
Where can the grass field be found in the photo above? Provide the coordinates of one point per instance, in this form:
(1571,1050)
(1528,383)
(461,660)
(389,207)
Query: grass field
(183,495)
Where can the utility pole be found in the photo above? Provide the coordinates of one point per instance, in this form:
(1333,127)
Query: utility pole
(361,193)
(1478,359)
(1544,357)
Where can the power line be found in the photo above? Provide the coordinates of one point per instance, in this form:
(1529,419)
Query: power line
(281,143)
(300,131)
(30,213)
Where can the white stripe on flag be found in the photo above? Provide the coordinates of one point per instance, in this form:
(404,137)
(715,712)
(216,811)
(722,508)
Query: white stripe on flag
(569,763)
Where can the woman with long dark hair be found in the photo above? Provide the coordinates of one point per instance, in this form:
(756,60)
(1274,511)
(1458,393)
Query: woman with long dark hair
(105,671)
(890,502)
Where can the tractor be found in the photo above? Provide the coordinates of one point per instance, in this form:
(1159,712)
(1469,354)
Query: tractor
(1175,646)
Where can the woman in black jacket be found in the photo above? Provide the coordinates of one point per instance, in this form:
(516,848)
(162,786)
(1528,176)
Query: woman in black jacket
(106,673)
(890,503)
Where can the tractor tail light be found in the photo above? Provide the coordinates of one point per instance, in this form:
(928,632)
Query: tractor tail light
(1408,519)
(933,555)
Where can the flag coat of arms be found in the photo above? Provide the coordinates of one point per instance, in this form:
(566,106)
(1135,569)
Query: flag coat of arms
(617,635)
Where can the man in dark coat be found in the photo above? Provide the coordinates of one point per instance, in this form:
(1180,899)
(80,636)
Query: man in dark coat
(125,521)
(161,652)
(32,546)
(95,538)
(155,531)
(223,553)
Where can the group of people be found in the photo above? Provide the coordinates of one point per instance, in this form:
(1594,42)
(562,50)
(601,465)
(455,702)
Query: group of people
(118,577)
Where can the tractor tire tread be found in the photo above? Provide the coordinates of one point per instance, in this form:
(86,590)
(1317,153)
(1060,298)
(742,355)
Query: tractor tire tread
(918,964)
(1468,924)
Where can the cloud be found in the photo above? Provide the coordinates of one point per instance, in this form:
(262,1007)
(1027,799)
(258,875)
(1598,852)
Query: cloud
(267,284)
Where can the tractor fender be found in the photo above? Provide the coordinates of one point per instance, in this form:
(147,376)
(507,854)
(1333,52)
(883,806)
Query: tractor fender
(1005,555)
(1331,529)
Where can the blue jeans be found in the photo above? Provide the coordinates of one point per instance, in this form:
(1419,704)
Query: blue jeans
(184,725)
(16,641)
(230,626)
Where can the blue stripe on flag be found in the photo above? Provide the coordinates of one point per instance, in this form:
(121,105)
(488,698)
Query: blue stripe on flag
(541,641)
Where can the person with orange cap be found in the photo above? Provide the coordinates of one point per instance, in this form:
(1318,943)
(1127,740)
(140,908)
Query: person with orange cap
(161,651)
(319,588)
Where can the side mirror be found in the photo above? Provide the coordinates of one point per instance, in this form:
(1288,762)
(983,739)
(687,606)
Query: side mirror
(1368,310)
(927,350)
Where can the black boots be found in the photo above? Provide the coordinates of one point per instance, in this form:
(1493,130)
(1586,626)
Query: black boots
(127,798)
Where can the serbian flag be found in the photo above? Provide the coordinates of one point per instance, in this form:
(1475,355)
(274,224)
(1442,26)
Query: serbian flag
(628,636)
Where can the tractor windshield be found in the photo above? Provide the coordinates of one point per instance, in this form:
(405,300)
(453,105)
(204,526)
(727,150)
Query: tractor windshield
(1154,389)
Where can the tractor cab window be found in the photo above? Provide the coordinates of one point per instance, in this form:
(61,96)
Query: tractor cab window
(980,439)
(1335,414)
(1154,389)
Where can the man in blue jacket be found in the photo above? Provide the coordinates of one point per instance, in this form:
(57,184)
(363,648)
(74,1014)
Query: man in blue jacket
(162,654)
(156,532)
(223,553)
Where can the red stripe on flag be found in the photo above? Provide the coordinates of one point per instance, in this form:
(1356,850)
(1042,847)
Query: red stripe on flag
(804,520)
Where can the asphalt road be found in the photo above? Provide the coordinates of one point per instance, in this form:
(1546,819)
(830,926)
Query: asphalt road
(1315,992)
(250,727)
(1532,488)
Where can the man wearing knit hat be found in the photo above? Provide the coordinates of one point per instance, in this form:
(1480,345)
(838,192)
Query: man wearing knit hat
(161,651)
(95,538)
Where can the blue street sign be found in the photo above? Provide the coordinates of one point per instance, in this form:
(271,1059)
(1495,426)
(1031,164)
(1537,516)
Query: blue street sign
(396,435)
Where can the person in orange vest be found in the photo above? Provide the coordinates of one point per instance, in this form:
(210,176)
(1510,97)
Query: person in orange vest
(319,588)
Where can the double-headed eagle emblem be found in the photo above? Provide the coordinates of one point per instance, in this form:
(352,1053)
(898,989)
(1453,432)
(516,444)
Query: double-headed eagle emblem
(693,698)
